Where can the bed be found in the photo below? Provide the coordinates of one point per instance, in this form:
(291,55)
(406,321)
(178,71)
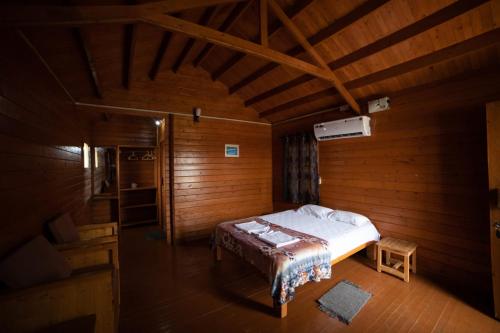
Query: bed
(326,237)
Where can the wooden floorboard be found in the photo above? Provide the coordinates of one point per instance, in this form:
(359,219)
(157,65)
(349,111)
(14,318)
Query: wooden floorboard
(180,289)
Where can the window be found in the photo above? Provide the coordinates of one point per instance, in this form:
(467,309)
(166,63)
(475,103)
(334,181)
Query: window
(96,158)
(86,156)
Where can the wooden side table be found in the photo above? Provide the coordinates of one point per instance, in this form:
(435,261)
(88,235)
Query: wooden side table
(400,247)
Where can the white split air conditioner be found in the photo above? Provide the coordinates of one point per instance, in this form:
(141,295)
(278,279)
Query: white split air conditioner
(344,128)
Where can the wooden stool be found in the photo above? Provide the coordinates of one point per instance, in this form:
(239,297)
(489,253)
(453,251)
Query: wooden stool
(399,247)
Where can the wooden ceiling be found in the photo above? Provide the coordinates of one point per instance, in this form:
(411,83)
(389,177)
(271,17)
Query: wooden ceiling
(371,47)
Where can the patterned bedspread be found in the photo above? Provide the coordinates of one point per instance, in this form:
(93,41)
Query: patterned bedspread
(286,267)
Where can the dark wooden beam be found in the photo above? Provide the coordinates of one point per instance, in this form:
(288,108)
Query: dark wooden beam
(482,41)
(83,44)
(297,102)
(128,54)
(325,33)
(263,8)
(409,31)
(228,23)
(129,51)
(160,54)
(272,29)
(281,88)
(205,19)
(227,65)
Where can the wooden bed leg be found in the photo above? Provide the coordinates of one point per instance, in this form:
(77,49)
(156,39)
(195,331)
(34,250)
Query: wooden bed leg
(371,252)
(280,309)
(218,253)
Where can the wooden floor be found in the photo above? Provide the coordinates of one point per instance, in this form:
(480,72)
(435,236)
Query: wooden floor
(181,290)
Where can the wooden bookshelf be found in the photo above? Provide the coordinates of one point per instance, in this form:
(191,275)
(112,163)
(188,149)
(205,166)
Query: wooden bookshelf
(138,188)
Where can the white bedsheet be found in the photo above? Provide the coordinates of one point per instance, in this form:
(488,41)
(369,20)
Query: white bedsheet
(341,237)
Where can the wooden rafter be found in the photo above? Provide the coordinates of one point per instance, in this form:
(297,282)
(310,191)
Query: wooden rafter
(273,28)
(325,33)
(482,41)
(238,44)
(81,39)
(15,15)
(129,54)
(130,35)
(428,22)
(302,40)
(160,54)
(205,19)
(238,10)
(264,38)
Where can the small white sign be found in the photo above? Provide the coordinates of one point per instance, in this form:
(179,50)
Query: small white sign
(232,150)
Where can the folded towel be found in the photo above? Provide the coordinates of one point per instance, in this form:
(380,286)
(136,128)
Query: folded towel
(278,238)
(252,227)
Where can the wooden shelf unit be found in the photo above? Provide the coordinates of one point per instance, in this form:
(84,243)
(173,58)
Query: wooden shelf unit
(138,205)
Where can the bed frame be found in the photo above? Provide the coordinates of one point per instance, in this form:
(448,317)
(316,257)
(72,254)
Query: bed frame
(281,310)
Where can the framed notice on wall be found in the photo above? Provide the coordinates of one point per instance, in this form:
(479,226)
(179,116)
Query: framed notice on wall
(232,150)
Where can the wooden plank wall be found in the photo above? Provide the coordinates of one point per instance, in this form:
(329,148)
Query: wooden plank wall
(124,130)
(211,188)
(41,136)
(422,176)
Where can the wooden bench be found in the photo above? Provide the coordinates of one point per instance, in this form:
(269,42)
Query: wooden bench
(91,231)
(86,292)
(407,250)
(98,246)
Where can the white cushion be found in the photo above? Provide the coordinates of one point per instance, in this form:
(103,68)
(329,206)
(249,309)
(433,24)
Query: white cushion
(315,210)
(348,217)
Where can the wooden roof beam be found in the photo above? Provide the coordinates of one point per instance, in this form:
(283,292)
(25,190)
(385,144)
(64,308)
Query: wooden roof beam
(302,40)
(237,44)
(205,19)
(264,40)
(482,41)
(445,14)
(16,15)
(273,28)
(160,54)
(238,10)
(129,54)
(82,42)
(325,33)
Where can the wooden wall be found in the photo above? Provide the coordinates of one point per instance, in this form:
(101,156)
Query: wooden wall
(41,136)
(116,129)
(210,188)
(422,176)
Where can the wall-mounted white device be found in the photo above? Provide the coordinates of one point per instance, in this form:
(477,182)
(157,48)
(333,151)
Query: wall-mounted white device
(344,128)
(378,105)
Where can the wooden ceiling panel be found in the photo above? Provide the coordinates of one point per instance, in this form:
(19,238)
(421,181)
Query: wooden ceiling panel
(148,42)
(180,93)
(322,105)
(64,57)
(444,35)
(106,46)
(310,87)
(376,47)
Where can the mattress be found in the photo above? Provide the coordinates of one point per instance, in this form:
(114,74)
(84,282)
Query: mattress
(341,237)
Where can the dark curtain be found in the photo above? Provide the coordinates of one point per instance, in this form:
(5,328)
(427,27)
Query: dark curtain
(301,169)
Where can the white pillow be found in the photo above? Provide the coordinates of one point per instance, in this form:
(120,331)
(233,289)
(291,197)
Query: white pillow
(348,217)
(315,210)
